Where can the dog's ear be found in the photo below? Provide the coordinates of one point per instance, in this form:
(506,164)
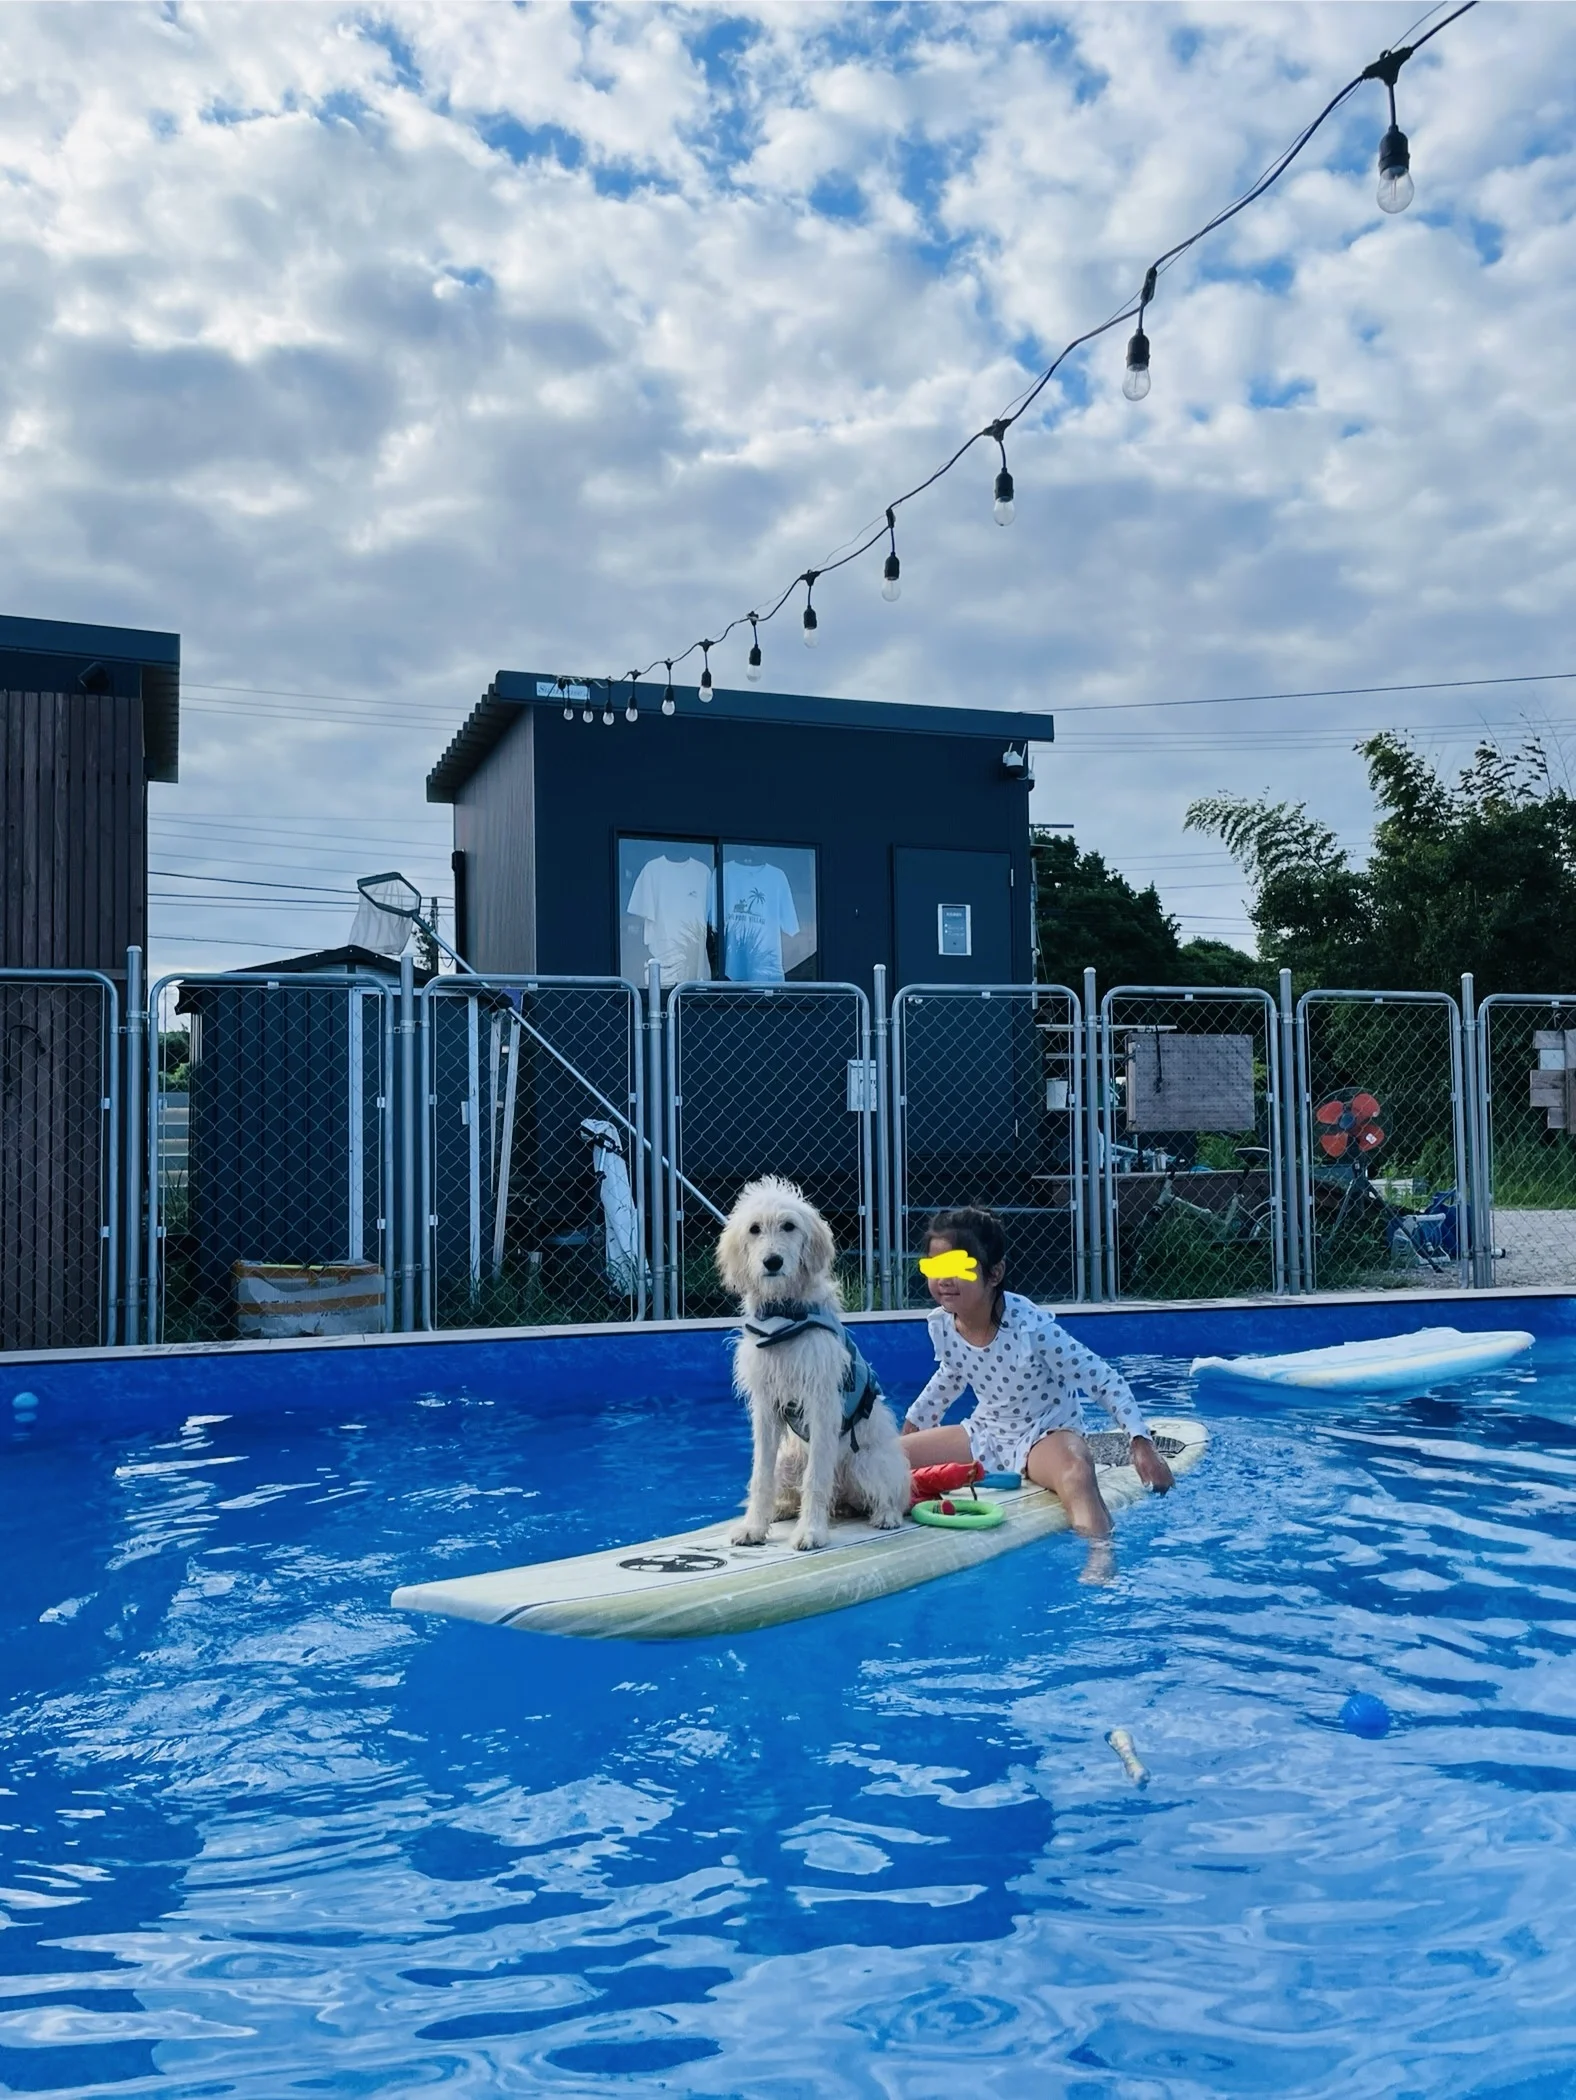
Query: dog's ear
(728,1254)
(819,1244)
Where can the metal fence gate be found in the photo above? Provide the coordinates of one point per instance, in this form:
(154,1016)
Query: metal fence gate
(59,1159)
(986,1100)
(767,1079)
(1381,1087)
(270,1151)
(534,1153)
(1526,1213)
(1192,1170)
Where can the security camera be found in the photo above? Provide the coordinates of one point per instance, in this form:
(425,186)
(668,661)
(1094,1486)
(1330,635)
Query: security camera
(1015,764)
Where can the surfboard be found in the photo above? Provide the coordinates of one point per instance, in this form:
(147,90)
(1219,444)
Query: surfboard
(1392,1363)
(697,1583)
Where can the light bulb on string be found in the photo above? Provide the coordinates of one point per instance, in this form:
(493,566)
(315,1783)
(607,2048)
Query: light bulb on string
(607,704)
(587,714)
(1002,495)
(632,711)
(1395,171)
(812,626)
(1135,381)
(752,668)
(892,568)
(668,701)
(705,675)
(1395,155)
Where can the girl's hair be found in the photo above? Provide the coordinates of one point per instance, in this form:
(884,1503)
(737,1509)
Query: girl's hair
(979,1233)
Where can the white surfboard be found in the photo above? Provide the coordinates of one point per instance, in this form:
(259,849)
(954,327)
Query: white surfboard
(698,1583)
(1393,1363)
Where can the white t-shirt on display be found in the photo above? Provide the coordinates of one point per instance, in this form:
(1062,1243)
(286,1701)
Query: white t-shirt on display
(678,901)
(757,910)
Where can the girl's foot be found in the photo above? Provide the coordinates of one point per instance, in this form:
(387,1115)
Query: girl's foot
(1099,1563)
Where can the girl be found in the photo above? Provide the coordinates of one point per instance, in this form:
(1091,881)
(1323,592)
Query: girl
(1027,1374)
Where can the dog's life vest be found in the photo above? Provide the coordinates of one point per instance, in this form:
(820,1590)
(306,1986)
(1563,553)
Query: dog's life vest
(861,1388)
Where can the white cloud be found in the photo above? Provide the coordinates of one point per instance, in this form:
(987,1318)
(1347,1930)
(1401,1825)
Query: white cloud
(376,349)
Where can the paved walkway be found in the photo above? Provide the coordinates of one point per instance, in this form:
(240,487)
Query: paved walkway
(1539,1246)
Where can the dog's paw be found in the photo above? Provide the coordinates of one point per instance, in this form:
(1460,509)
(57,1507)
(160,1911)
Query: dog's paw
(890,1521)
(745,1536)
(807,1541)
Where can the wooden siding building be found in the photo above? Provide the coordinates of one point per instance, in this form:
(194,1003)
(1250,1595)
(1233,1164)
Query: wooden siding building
(88,716)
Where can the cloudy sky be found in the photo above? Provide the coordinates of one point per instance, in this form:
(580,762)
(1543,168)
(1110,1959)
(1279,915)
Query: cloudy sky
(376,348)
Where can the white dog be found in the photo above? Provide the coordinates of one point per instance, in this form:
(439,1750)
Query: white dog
(812,1396)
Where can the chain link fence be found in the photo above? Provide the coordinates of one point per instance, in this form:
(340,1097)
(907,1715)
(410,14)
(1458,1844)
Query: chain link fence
(1380,1084)
(986,1099)
(1527,1102)
(270,1157)
(565,1151)
(534,1169)
(768,1079)
(59,1157)
(1192,1172)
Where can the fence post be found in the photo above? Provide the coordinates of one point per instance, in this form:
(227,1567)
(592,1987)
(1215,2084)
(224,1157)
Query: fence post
(408,1109)
(1290,1120)
(1474,1066)
(884,1136)
(1093,1149)
(136,1043)
(656,1137)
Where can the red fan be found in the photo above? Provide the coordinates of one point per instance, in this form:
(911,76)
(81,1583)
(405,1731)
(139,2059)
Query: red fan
(1347,1124)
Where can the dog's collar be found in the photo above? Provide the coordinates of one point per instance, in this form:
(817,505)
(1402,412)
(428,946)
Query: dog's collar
(786,1309)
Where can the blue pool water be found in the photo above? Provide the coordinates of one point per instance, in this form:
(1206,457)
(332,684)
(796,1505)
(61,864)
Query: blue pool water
(261,1836)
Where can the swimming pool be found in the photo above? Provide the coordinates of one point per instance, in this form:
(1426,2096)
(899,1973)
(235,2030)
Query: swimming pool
(262,1836)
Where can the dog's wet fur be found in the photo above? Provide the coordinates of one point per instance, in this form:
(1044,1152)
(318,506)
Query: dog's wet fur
(775,1248)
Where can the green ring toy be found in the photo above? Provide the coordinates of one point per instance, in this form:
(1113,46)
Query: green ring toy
(966,1516)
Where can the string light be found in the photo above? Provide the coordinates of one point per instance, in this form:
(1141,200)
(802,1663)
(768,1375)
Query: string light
(1135,381)
(1395,155)
(705,675)
(607,705)
(1395,194)
(632,712)
(1001,496)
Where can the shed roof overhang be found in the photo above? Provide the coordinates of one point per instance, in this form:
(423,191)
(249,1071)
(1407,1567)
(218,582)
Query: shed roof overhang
(70,651)
(513,692)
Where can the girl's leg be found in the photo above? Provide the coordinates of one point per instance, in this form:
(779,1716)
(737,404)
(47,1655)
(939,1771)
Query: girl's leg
(937,1447)
(1061,1462)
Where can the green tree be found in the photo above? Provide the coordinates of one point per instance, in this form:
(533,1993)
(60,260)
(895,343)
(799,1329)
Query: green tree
(1087,916)
(1480,876)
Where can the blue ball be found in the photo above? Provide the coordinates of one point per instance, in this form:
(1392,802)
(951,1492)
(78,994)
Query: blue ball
(1363,1714)
(25,1403)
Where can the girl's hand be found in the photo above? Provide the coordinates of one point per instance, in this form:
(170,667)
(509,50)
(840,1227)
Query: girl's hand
(908,1428)
(1150,1467)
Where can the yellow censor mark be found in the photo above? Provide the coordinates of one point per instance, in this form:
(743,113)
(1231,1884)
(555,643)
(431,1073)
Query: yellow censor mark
(957,1261)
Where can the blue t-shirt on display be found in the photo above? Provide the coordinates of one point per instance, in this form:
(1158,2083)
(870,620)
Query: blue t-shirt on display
(757,910)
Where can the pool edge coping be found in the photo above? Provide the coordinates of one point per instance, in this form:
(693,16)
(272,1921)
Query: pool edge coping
(143,1352)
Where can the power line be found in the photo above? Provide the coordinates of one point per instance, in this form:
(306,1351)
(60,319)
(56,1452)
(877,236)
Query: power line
(249,882)
(1329,692)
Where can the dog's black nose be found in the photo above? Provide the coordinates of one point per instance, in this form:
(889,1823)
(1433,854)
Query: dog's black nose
(772,1264)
